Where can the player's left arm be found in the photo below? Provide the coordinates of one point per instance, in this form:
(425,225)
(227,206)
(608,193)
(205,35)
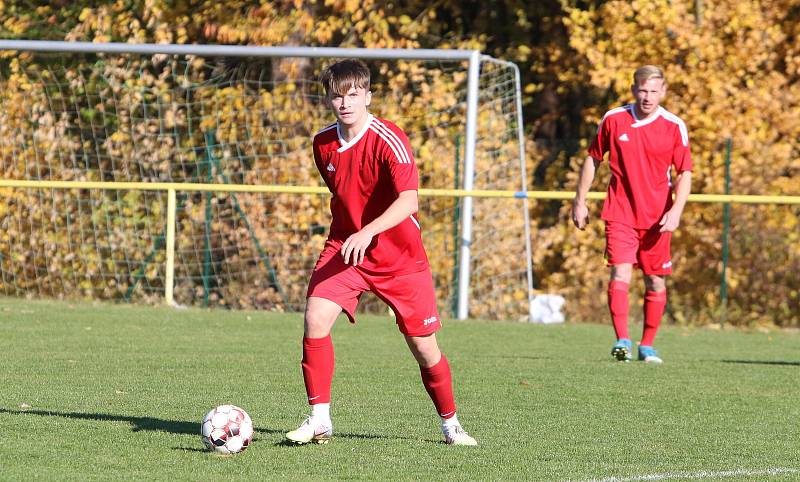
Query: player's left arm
(355,247)
(682,162)
(672,218)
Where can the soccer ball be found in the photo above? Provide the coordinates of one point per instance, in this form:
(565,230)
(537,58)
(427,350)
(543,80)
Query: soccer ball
(227,429)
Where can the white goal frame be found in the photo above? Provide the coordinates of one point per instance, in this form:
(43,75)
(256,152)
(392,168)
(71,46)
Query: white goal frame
(473,57)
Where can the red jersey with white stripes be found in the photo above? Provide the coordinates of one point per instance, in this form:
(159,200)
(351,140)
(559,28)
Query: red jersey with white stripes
(365,176)
(641,156)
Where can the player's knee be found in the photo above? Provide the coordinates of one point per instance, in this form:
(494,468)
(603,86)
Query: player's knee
(622,272)
(428,359)
(425,349)
(317,323)
(655,283)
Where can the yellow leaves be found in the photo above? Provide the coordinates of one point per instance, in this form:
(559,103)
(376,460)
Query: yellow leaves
(523,53)
(726,78)
(351,5)
(324,32)
(733,76)
(17,25)
(85,14)
(182,36)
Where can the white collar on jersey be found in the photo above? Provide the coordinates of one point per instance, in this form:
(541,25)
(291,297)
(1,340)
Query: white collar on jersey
(644,122)
(345,144)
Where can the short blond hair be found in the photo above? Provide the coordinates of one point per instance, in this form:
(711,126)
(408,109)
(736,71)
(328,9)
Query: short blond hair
(647,72)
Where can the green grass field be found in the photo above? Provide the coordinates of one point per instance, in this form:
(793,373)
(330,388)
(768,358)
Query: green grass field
(114,392)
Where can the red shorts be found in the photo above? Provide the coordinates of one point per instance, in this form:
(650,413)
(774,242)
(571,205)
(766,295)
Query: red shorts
(411,296)
(648,249)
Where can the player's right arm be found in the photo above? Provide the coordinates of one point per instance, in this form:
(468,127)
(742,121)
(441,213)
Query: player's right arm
(580,212)
(354,249)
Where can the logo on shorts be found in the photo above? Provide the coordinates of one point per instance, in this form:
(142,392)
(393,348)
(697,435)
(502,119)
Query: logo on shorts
(666,265)
(624,137)
(330,167)
(429,321)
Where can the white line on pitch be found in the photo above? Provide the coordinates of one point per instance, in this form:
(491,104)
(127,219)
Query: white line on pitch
(702,474)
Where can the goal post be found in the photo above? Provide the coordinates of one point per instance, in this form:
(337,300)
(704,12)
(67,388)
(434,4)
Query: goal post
(175,116)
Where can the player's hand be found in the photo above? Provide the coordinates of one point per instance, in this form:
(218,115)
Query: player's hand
(580,215)
(669,221)
(355,247)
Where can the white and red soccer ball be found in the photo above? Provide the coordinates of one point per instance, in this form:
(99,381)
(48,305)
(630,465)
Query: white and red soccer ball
(227,429)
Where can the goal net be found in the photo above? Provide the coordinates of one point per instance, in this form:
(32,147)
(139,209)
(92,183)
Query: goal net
(234,121)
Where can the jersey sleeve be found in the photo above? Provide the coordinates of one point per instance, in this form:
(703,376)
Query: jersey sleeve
(681,154)
(396,153)
(600,144)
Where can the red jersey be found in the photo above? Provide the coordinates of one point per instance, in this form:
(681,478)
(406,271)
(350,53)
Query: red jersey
(365,176)
(641,155)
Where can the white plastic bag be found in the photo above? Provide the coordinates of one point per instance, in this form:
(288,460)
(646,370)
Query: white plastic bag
(547,309)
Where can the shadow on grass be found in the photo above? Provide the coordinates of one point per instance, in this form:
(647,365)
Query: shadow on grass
(160,425)
(520,357)
(137,423)
(764,362)
(361,436)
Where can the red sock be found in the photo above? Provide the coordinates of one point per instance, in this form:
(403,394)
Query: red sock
(317,366)
(654,303)
(618,306)
(439,384)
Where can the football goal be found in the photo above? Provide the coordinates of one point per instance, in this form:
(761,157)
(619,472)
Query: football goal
(145,172)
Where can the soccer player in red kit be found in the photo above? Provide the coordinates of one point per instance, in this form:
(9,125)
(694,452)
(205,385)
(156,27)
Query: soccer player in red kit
(644,143)
(374,245)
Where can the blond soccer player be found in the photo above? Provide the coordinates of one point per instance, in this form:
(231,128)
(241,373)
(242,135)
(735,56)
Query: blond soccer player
(645,146)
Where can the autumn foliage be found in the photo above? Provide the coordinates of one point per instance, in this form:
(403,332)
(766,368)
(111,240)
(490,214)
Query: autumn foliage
(732,66)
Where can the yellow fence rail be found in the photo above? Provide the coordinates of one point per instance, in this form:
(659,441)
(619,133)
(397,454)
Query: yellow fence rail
(194,187)
(173,187)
